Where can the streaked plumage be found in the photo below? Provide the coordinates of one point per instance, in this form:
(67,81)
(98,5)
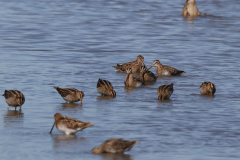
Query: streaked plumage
(165,91)
(147,76)
(207,88)
(69,125)
(131,81)
(165,70)
(105,88)
(190,9)
(114,146)
(14,98)
(70,94)
(134,65)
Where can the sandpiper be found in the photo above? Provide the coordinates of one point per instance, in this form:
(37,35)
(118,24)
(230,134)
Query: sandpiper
(105,88)
(147,76)
(70,94)
(114,146)
(69,125)
(131,81)
(207,88)
(134,65)
(14,98)
(165,91)
(190,9)
(165,70)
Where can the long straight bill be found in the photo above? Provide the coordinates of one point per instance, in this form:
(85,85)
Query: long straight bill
(52,127)
(144,65)
(149,67)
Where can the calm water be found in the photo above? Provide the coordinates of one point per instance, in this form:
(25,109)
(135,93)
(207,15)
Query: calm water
(72,43)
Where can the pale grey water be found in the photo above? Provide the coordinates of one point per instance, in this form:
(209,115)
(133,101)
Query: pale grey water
(73,43)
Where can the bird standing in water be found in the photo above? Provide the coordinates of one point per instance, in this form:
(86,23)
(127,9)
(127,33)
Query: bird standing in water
(131,81)
(165,91)
(190,9)
(69,125)
(134,65)
(164,70)
(147,76)
(14,98)
(207,88)
(114,146)
(105,88)
(70,94)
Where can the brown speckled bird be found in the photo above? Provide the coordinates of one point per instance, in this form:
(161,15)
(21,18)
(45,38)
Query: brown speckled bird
(190,9)
(70,94)
(207,88)
(147,76)
(69,125)
(14,98)
(165,70)
(131,81)
(114,146)
(105,88)
(134,65)
(165,91)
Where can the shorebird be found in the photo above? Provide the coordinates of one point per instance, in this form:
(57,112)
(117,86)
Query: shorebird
(190,9)
(165,91)
(131,81)
(14,98)
(135,65)
(114,146)
(165,70)
(70,94)
(105,88)
(147,76)
(207,88)
(69,125)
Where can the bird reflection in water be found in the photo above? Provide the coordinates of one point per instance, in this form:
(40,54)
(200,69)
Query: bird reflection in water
(189,19)
(115,156)
(13,116)
(104,97)
(207,97)
(165,101)
(62,140)
(128,89)
(14,113)
(71,105)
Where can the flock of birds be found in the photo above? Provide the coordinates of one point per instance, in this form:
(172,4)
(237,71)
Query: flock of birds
(71,126)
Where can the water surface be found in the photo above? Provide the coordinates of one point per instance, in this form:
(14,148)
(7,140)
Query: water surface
(73,43)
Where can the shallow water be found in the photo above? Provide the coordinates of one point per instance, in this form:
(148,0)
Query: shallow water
(73,43)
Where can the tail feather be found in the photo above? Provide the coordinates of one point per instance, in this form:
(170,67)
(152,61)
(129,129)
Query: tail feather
(137,143)
(132,143)
(119,67)
(5,92)
(181,72)
(55,88)
(205,14)
(88,124)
